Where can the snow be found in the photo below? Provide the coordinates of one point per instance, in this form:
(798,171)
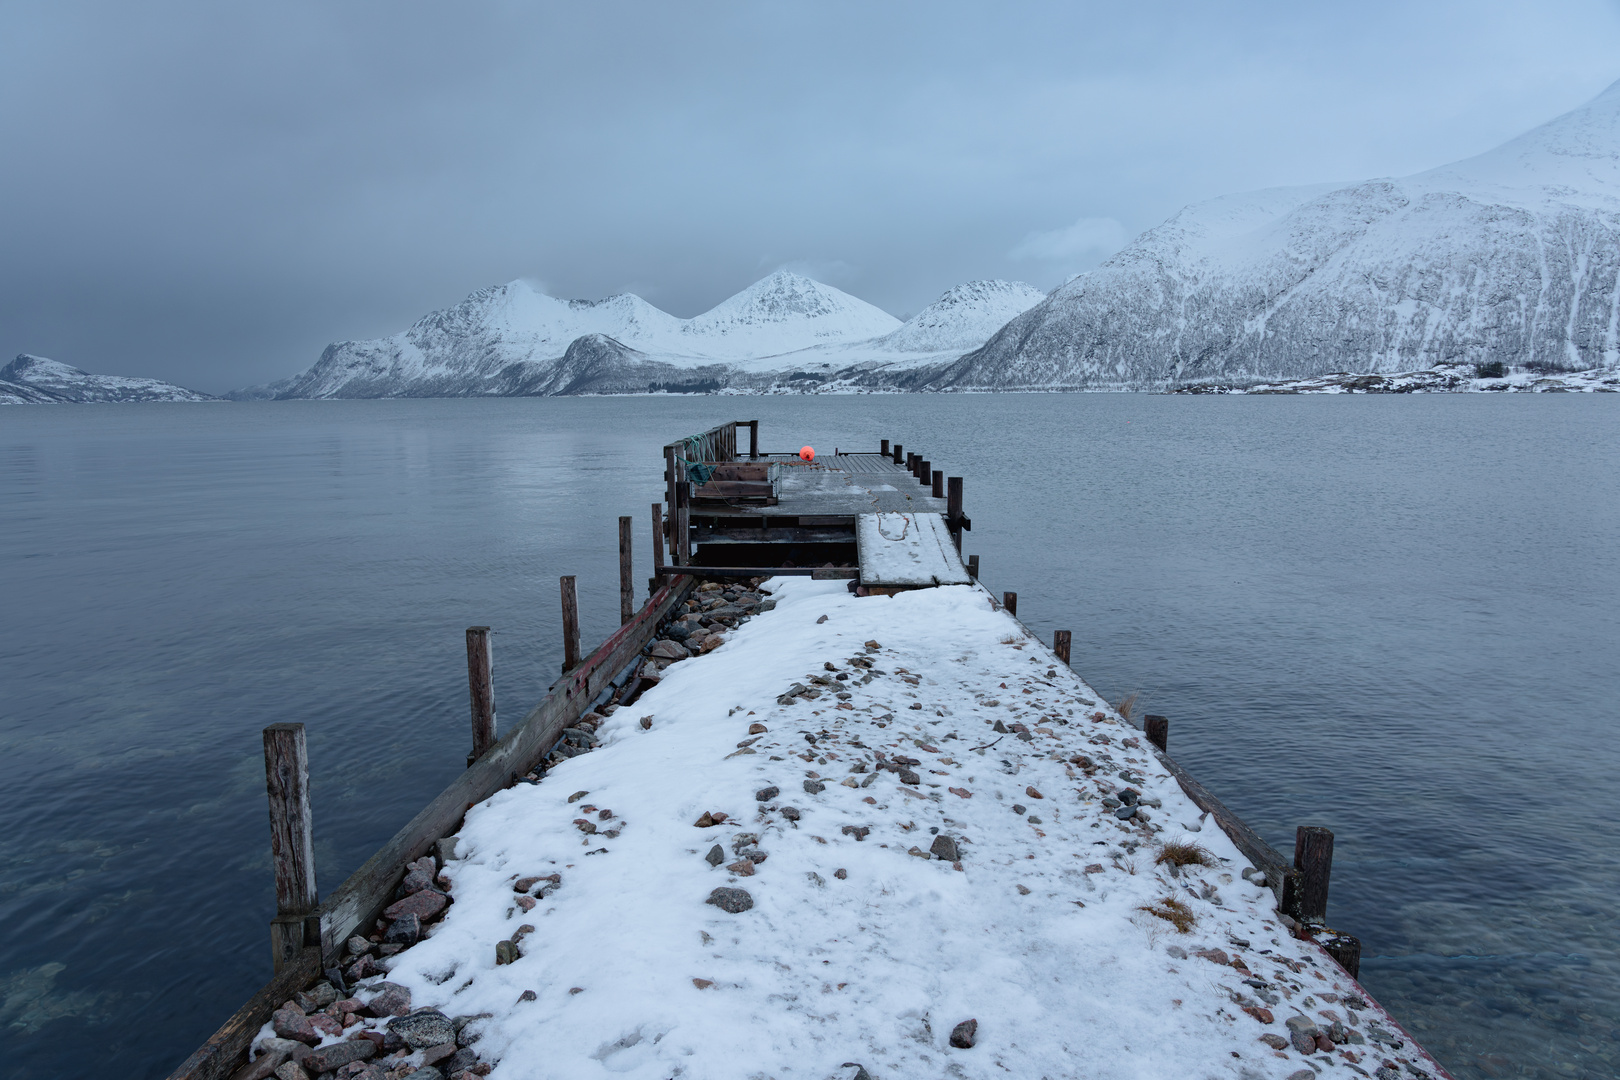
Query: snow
(857,950)
(908,549)
(39,380)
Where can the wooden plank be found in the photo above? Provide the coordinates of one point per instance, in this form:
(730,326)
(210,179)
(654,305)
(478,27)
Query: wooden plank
(832,573)
(481,691)
(707,534)
(292,838)
(220,1056)
(359,900)
(907,549)
(743,471)
(736,489)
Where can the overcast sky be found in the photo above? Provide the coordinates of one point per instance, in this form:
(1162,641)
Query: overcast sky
(210,193)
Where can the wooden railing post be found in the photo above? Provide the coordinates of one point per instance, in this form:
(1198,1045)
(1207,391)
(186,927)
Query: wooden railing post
(1157,730)
(627,568)
(658,537)
(953,508)
(883,447)
(973,564)
(1060,644)
(753,439)
(570,618)
(939,484)
(897,450)
(1009,600)
(1313,858)
(481,691)
(678,525)
(670,478)
(925,471)
(292,842)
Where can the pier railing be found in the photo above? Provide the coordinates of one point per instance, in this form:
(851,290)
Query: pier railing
(685,462)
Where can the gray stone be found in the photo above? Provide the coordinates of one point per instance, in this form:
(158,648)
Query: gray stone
(506,952)
(965,1034)
(791,813)
(733,901)
(294,1025)
(424,905)
(424,1028)
(1033,820)
(465,1058)
(669,650)
(860,1072)
(766,794)
(716,855)
(415,882)
(814,787)
(1125,813)
(1304,1043)
(427,1072)
(405,930)
(945,849)
(1304,1025)
(328,1058)
(909,777)
(1019,808)
(391,999)
(290,1070)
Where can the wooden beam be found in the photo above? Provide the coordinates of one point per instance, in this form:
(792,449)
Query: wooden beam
(219,1057)
(481,691)
(627,569)
(1256,850)
(833,573)
(292,839)
(1060,644)
(679,537)
(570,621)
(736,489)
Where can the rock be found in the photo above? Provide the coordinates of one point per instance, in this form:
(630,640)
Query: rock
(405,930)
(965,1034)
(359,946)
(716,856)
(841,874)
(506,952)
(1304,1043)
(733,901)
(290,1070)
(814,787)
(391,999)
(1032,793)
(425,905)
(791,813)
(1125,813)
(742,868)
(1260,1013)
(528,995)
(850,781)
(328,1058)
(424,1028)
(945,849)
(1296,1023)
(646,723)
(465,1058)
(757,729)
(524,884)
(859,832)
(1033,820)
(909,777)
(415,882)
(1323,1043)
(293,1024)
(999,728)
(860,1072)
(766,794)
(427,1072)
(669,650)
(1276,1042)
(326,1025)
(821,620)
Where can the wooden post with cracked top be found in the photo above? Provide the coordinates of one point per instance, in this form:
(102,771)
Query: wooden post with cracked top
(292,842)
(480,691)
(1060,644)
(627,567)
(570,618)
(1157,730)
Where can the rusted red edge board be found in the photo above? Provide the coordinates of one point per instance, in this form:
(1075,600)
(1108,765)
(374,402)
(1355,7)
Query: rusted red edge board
(359,900)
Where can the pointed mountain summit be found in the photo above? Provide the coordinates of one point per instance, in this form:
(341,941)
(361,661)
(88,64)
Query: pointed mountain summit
(964,317)
(1512,256)
(782,313)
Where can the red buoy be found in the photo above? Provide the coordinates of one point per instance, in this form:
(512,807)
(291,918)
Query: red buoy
(808,453)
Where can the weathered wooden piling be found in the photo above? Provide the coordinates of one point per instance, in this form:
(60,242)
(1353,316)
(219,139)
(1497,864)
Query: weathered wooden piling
(953,509)
(480,691)
(973,563)
(753,439)
(1009,600)
(925,471)
(897,449)
(627,567)
(1157,730)
(658,537)
(1313,858)
(1060,644)
(884,447)
(1346,950)
(570,620)
(939,484)
(679,533)
(292,843)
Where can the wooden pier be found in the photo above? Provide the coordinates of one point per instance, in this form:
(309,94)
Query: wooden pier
(886,520)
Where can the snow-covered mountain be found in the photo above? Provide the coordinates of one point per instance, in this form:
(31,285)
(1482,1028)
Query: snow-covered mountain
(515,340)
(1511,256)
(30,380)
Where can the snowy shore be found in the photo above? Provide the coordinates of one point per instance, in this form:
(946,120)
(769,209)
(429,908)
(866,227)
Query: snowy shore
(882,836)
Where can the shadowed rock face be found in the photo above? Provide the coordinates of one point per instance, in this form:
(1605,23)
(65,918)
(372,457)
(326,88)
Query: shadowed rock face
(1513,256)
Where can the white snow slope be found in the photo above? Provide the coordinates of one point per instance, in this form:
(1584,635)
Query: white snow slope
(36,380)
(857,950)
(511,339)
(1511,256)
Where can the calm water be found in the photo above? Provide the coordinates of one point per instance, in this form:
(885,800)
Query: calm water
(1393,616)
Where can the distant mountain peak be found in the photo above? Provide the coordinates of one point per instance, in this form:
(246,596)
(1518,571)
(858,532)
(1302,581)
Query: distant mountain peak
(36,379)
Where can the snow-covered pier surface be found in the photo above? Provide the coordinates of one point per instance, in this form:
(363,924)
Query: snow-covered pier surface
(822,846)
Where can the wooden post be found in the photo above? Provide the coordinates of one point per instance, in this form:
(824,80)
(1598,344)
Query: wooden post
(669,482)
(953,509)
(884,448)
(1060,644)
(753,439)
(1009,600)
(1346,949)
(658,537)
(678,535)
(939,484)
(292,842)
(1157,730)
(627,566)
(897,449)
(481,690)
(570,613)
(1313,858)
(925,471)
(973,566)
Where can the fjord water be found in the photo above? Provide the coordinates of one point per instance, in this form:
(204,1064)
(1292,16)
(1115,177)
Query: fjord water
(1394,616)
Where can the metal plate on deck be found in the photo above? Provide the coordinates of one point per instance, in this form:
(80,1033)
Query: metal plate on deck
(908,549)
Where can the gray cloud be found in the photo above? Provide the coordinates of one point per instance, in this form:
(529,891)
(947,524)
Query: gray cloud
(211,193)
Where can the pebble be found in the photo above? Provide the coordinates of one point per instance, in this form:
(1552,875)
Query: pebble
(965,1034)
(814,787)
(742,868)
(404,931)
(716,855)
(415,882)
(1018,808)
(946,849)
(791,813)
(1276,1042)
(293,1024)
(424,905)
(391,999)
(329,1058)
(290,1070)
(733,901)
(766,794)
(841,874)
(506,952)
(669,650)
(424,1028)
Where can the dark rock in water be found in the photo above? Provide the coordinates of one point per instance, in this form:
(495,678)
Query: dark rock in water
(965,1034)
(392,999)
(328,1058)
(946,849)
(766,794)
(405,930)
(733,901)
(292,1024)
(716,856)
(424,1028)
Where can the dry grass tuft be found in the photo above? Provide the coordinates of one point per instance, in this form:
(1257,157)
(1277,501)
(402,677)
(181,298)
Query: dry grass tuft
(1127,705)
(1009,640)
(1172,911)
(1184,853)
